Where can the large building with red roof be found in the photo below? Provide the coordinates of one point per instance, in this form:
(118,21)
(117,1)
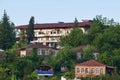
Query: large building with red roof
(49,33)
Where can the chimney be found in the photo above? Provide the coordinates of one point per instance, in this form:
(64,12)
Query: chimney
(86,20)
(60,22)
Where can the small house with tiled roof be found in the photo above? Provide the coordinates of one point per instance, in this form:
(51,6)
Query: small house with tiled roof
(41,50)
(80,51)
(90,68)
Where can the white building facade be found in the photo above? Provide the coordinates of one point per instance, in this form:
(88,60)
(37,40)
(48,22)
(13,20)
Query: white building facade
(49,33)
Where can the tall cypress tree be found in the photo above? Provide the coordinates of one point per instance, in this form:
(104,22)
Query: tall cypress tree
(75,23)
(30,30)
(7,33)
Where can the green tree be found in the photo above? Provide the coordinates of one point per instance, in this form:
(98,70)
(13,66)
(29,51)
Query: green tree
(30,30)
(108,40)
(2,55)
(95,29)
(54,78)
(32,76)
(7,33)
(88,52)
(12,53)
(65,58)
(22,36)
(75,23)
(4,73)
(24,67)
(105,58)
(74,39)
(98,26)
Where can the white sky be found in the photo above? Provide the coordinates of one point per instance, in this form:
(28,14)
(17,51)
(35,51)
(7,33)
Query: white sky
(48,11)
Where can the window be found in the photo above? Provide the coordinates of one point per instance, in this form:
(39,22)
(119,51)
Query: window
(47,32)
(101,71)
(46,52)
(86,70)
(54,32)
(67,31)
(61,32)
(47,38)
(53,38)
(41,33)
(97,70)
(58,31)
(92,71)
(78,70)
(39,52)
(41,39)
(82,70)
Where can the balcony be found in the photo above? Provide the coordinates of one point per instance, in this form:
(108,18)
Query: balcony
(48,35)
(44,73)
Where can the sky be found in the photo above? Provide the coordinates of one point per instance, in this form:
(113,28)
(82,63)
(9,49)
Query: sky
(53,11)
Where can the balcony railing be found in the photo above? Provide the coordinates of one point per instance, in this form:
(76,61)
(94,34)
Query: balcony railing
(44,73)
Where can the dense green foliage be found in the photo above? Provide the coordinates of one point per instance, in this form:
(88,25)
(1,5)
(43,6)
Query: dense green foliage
(103,35)
(74,39)
(75,23)
(7,33)
(30,30)
(22,37)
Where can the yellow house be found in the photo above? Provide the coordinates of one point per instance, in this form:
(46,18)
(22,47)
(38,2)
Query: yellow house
(41,50)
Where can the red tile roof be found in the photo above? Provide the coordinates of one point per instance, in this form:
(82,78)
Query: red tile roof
(91,63)
(55,25)
(34,45)
(80,48)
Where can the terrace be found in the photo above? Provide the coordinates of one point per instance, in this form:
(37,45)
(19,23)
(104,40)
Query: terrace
(45,71)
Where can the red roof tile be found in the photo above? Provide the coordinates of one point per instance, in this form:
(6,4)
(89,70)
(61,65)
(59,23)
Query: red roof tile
(55,25)
(35,45)
(91,63)
(80,48)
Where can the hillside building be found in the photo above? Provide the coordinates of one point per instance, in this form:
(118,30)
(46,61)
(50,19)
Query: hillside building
(50,33)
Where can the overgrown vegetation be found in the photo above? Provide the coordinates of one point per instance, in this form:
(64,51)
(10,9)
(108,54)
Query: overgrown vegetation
(104,35)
